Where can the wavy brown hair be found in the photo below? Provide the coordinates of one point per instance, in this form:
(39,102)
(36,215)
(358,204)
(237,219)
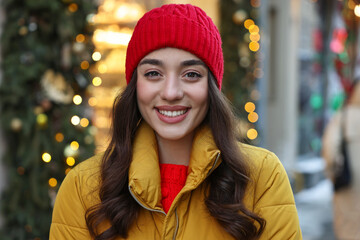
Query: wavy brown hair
(227,184)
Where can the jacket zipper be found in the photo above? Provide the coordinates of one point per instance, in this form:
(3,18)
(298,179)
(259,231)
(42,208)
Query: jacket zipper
(177,224)
(216,160)
(142,205)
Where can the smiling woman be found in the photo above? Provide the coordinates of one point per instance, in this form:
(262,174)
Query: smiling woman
(174,168)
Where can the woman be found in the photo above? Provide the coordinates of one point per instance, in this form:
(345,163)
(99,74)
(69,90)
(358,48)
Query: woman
(174,169)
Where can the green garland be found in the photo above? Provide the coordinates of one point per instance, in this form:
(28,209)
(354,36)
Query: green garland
(41,74)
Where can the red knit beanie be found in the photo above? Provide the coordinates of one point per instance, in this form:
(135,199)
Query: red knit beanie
(182,26)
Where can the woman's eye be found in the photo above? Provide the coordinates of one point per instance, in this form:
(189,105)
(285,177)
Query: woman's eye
(152,74)
(193,75)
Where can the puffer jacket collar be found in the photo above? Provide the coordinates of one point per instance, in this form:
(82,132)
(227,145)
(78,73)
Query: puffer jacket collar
(144,172)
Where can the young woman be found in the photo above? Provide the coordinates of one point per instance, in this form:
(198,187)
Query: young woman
(174,168)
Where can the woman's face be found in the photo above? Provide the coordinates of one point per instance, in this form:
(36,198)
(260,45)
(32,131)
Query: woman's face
(172,92)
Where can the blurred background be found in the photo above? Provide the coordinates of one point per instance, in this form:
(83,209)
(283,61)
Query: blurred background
(291,68)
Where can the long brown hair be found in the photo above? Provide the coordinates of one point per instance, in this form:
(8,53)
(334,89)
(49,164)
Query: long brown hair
(227,183)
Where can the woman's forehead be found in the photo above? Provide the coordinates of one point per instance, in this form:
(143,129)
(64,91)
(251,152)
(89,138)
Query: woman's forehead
(170,55)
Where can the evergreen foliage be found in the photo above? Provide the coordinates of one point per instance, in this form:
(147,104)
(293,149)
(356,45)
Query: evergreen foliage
(42,52)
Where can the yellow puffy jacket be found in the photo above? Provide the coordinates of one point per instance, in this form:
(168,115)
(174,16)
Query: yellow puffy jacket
(269,195)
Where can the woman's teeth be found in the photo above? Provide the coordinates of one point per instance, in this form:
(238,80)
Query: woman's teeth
(172,113)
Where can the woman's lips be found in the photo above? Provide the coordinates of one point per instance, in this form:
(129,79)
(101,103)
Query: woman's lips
(172,114)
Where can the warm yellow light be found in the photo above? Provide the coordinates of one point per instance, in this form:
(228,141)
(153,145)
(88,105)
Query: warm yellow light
(42,119)
(357,10)
(249,107)
(248,23)
(253,117)
(255,37)
(59,137)
(96,56)
(75,120)
(67,170)
(92,101)
(255,3)
(252,134)
(70,161)
(80,38)
(254,46)
(84,122)
(128,11)
(74,145)
(102,68)
(351,4)
(52,182)
(84,65)
(254,29)
(46,157)
(96,81)
(113,38)
(73,7)
(77,99)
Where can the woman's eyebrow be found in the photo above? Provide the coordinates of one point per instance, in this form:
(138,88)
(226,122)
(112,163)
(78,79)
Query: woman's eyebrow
(192,62)
(151,61)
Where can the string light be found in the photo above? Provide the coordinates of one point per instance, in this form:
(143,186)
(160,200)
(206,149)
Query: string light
(254,29)
(249,107)
(42,119)
(255,3)
(75,120)
(102,68)
(255,37)
(46,157)
(254,46)
(92,101)
(84,122)
(351,4)
(52,182)
(73,7)
(97,81)
(96,56)
(59,137)
(77,99)
(84,65)
(253,117)
(248,23)
(357,10)
(70,161)
(252,133)
(74,145)
(80,38)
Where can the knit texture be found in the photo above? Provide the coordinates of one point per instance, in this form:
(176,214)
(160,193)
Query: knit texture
(173,178)
(182,26)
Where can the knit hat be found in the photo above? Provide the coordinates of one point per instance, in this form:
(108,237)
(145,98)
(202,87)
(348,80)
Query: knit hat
(182,26)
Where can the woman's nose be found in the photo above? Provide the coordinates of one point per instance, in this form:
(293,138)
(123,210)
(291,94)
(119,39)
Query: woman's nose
(172,89)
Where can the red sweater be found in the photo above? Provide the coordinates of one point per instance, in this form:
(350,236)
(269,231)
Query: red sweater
(173,179)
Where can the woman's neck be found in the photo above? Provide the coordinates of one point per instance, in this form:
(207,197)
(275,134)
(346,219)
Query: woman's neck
(175,151)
